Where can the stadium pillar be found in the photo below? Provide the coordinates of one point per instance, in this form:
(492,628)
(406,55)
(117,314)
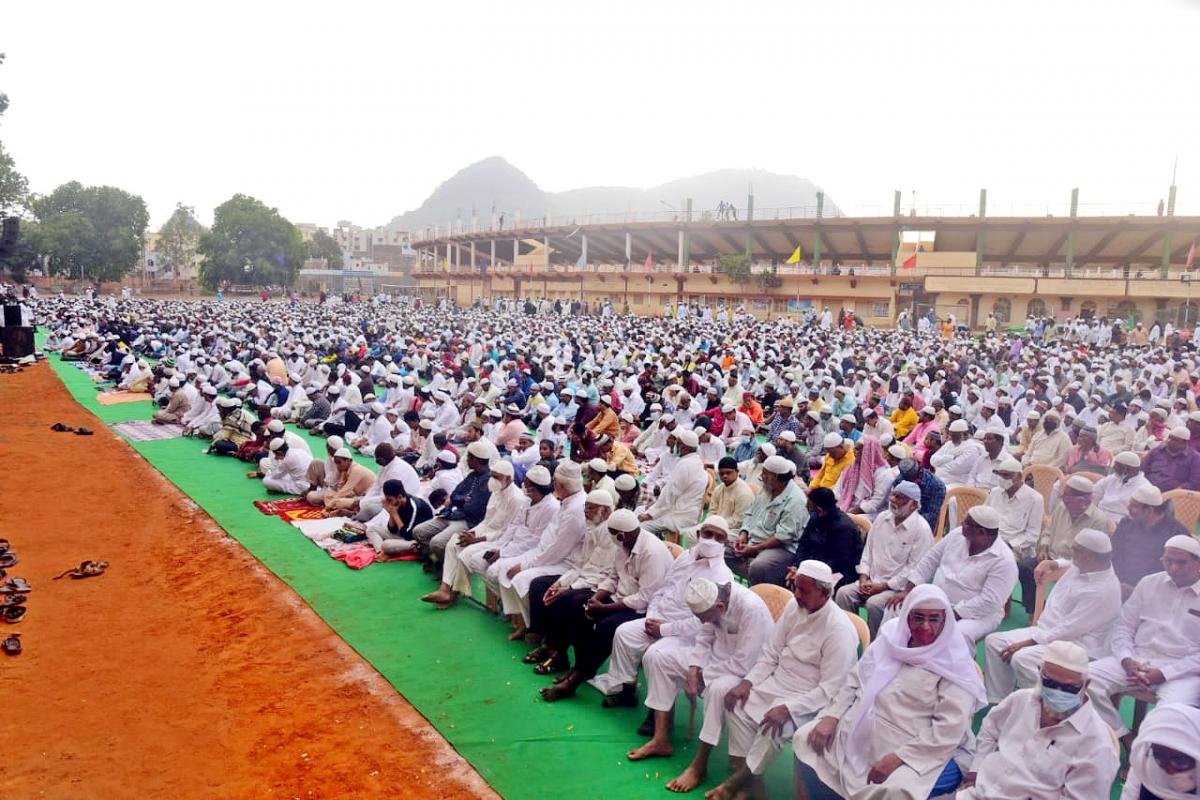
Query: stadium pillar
(492,259)
(1071,231)
(749,219)
(583,251)
(546,253)
(1166,255)
(474,261)
(979,239)
(516,251)
(679,248)
(817,240)
(687,243)
(896,237)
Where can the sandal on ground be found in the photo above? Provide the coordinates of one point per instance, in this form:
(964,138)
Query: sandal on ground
(8,559)
(622,699)
(537,655)
(552,665)
(15,586)
(86,569)
(12,645)
(61,428)
(12,600)
(14,613)
(83,432)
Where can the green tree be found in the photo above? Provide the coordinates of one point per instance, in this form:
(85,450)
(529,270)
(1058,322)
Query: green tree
(178,238)
(322,245)
(736,267)
(93,232)
(14,189)
(250,244)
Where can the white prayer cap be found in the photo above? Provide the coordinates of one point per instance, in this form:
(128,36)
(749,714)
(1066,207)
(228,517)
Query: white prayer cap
(599,497)
(537,475)
(624,482)
(716,521)
(688,438)
(1128,458)
(959,426)
(542,408)
(426,424)
(898,451)
(391,411)
(598,465)
(788,436)
(908,489)
(569,475)
(568,391)
(626,416)
(480,449)
(1185,542)
(849,418)
(819,571)
(447,457)
(1009,464)
(208,389)
(701,595)
(620,521)
(1181,433)
(275,426)
(779,465)
(1080,484)
(173,383)
(1194,416)
(656,407)
(816,415)
(336,442)
(502,467)
(377,408)
(665,418)
(728,408)
(335,389)
(985,516)
(767,448)
(227,402)
(277,443)
(832,440)
(1148,495)
(1067,655)
(1094,540)
(1033,415)
(342,453)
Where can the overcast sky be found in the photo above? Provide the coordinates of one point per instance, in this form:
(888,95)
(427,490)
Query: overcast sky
(358,110)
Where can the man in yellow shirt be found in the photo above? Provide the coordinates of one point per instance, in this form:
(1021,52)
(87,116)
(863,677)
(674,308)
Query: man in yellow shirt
(838,456)
(903,419)
(617,455)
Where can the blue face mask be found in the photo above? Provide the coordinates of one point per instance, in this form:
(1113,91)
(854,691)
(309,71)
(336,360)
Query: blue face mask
(1060,702)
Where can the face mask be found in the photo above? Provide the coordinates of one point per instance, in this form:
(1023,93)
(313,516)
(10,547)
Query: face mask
(1182,782)
(494,485)
(1060,702)
(709,548)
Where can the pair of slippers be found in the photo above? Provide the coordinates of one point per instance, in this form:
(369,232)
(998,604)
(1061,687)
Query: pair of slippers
(86,569)
(61,428)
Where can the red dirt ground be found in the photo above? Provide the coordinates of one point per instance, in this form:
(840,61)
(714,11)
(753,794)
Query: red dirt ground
(187,670)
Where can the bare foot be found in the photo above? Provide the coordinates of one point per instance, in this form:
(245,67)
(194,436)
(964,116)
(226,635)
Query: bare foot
(442,606)
(517,635)
(724,791)
(689,779)
(437,597)
(558,691)
(651,749)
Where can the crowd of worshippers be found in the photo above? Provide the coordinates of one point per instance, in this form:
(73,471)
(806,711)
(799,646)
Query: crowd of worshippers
(639,491)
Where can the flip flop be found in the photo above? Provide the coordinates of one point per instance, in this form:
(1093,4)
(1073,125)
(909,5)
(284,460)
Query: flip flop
(83,432)
(61,428)
(16,586)
(14,614)
(8,559)
(86,569)
(12,600)
(12,645)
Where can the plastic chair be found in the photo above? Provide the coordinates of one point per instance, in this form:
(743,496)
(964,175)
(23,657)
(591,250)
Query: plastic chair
(1042,477)
(776,597)
(1186,505)
(863,522)
(1043,591)
(860,626)
(966,498)
(676,550)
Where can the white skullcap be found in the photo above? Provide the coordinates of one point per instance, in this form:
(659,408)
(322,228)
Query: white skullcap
(391,411)
(447,457)
(849,418)
(622,520)
(1128,458)
(1186,543)
(538,475)
(1194,416)
(227,402)
(908,489)
(275,426)
(788,436)
(1148,495)
(377,408)
(779,465)
(542,408)
(426,424)
(688,438)
(1181,433)
(1080,484)
(599,497)
(716,521)
(335,442)
(665,418)
(624,482)
(832,440)
(767,448)
(335,389)
(502,467)
(959,426)
(1033,415)
(1009,464)
(173,383)
(701,595)
(1067,655)
(276,443)
(569,475)
(816,415)
(480,449)
(1094,540)
(985,516)
(598,465)
(817,570)
(342,453)
(898,451)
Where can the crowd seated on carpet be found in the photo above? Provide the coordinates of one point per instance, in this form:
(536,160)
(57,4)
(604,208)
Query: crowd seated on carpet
(806,527)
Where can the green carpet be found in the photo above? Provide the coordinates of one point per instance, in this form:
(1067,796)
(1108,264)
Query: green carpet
(456,667)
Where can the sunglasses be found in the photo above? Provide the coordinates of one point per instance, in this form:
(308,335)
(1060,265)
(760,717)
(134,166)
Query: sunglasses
(1071,688)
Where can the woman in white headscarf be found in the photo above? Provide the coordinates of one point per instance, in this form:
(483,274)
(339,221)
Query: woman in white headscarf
(903,711)
(1165,762)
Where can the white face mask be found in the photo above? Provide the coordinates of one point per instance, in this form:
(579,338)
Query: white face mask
(709,548)
(494,485)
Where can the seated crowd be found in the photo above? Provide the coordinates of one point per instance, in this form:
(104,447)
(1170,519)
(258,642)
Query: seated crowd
(637,495)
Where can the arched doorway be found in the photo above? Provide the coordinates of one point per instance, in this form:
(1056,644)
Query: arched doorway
(1002,308)
(1087,309)
(1036,307)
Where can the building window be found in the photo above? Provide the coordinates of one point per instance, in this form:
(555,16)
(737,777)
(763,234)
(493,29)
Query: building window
(1002,308)
(880,310)
(1127,310)
(1036,307)
(1087,309)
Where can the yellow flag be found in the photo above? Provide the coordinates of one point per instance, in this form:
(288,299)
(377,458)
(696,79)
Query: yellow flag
(797,255)
(446,264)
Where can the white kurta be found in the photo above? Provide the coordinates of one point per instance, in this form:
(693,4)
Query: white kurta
(522,534)
(681,500)
(1112,494)
(288,475)
(954,463)
(558,549)
(502,508)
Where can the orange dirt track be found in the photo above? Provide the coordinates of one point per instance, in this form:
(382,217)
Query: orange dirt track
(187,670)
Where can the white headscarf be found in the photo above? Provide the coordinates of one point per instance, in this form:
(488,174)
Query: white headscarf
(1176,726)
(948,656)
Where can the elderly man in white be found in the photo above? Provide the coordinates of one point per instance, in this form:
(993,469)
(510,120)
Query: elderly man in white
(1020,507)
(505,503)
(812,647)
(976,570)
(522,534)
(898,539)
(681,500)
(955,460)
(735,624)
(1112,493)
(1045,742)
(994,439)
(1156,642)
(558,549)
(285,471)
(1082,608)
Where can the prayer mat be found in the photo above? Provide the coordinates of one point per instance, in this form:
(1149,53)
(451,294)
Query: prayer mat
(116,398)
(277,508)
(142,430)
